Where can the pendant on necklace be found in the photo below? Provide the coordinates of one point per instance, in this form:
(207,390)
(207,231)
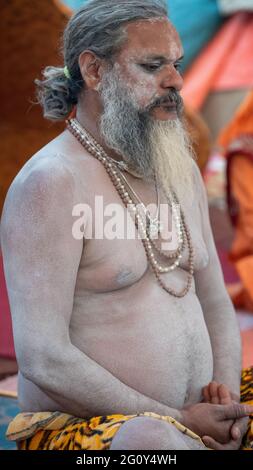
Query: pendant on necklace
(155,227)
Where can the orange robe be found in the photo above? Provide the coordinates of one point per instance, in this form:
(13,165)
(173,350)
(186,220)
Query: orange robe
(237,140)
(241,211)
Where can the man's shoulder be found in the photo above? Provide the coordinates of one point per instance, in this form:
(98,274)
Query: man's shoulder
(58,166)
(46,177)
(43,174)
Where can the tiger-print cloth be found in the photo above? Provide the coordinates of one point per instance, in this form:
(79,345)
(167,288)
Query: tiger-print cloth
(59,431)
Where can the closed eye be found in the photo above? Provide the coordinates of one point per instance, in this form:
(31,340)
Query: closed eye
(178,66)
(151,67)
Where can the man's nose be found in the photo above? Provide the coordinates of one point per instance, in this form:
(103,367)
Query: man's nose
(172,78)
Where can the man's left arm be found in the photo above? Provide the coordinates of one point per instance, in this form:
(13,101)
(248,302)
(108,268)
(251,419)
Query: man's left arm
(219,313)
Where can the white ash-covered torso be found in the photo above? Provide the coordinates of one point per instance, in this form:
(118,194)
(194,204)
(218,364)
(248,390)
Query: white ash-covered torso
(122,318)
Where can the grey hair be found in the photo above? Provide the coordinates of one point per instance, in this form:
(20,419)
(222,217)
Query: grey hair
(97,26)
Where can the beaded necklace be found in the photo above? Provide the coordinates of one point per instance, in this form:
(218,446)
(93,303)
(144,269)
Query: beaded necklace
(114,170)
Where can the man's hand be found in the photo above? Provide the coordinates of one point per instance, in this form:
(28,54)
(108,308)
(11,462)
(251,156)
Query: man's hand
(220,394)
(238,430)
(215,421)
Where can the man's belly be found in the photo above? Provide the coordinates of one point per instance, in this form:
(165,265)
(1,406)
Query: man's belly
(160,348)
(155,343)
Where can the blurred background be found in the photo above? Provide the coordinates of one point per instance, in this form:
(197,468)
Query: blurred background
(217,36)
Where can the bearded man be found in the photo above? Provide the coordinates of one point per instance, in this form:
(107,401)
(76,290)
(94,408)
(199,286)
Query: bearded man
(122,343)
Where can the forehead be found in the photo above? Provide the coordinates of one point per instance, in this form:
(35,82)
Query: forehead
(156,36)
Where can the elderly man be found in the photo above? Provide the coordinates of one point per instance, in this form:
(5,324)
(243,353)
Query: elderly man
(123,342)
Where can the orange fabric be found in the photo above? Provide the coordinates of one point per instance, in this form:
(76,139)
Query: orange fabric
(247,344)
(63,8)
(241,253)
(242,122)
(238,67)
(200,136)
(241,182)
(73,113)
(236,139)
(225,63)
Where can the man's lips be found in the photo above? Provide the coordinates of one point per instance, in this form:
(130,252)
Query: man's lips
(168,105)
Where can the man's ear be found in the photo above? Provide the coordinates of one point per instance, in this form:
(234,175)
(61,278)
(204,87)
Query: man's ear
(91,68)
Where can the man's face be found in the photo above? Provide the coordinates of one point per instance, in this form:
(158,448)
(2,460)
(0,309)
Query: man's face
(148,64)
(141,106)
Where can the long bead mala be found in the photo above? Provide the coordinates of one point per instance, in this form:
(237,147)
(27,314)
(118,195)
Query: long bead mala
(114,173)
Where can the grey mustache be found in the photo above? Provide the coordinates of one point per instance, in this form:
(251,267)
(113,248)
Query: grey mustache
(172,99)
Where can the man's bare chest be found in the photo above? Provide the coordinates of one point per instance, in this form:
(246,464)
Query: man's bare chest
(113,254)
(116,258)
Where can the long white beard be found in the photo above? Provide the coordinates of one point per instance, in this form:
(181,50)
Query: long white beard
(148,145)
(172,157)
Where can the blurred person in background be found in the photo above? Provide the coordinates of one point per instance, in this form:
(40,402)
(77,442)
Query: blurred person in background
(237,143)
